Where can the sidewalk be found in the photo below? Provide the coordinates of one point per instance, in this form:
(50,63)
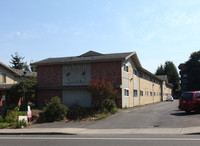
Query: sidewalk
(78,131)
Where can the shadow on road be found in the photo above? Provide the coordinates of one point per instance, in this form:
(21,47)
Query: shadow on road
(184,114)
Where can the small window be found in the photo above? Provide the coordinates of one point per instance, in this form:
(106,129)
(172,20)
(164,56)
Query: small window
(125,68)
(141,93)
(126,92)
(2,78)
(135,94)
(135,71)
(197,95)
(154,93)
(151,94)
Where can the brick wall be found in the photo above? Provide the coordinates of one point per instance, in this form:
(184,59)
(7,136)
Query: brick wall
(49,75)
(45,95)
(112,72)
(109,70)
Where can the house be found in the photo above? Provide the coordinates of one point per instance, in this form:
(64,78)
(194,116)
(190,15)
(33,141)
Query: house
(68,78)
(9,77)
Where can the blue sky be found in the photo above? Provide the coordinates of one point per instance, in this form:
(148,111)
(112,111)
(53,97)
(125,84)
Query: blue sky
(157,30)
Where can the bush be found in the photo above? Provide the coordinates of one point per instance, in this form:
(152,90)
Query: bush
(53,111)
(19,124)
(109,106)
(11,117)
(1,119)
(78,113)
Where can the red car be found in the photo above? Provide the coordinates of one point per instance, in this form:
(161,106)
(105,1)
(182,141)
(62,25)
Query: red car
(190,101)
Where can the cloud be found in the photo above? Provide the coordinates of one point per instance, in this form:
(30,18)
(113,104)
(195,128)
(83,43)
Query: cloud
(25,35)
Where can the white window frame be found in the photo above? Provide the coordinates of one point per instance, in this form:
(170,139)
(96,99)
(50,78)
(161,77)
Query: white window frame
(126,92)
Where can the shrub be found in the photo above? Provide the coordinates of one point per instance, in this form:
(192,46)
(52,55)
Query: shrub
(1,119)
(20,124)
(12,116)
(54,111)
(109,106)
(101,89)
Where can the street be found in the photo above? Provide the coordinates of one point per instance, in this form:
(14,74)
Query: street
(152,125)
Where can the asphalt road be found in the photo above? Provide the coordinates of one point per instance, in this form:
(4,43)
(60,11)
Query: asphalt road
(162,115)
(97,140)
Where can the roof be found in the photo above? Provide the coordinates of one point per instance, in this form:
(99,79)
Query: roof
(5,86)
(26,73)
(162,77)
(90,56)
(10,69)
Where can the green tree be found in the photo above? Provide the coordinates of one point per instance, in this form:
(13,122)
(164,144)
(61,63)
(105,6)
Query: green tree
(26,90)
(192,68)
(160,70)
(17,61)
(170,70)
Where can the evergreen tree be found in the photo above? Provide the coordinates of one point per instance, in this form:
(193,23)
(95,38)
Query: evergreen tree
(192,68)
(160,70)
(170,70)
(17,61)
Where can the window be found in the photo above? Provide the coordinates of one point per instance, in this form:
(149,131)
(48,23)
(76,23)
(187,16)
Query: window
(126,92)
(125,68)
(146,93)
(141,75)
(151,94)
(135,93)
(135,71)
(154,93)
(2,78)
(141,93)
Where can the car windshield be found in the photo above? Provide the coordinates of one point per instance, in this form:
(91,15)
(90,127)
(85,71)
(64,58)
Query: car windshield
(187,96)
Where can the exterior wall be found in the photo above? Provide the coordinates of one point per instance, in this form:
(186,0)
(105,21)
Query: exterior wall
(49,75)
(10,78)
(130,81)
(111,71)
(149,86)
(76,75)
(45,95)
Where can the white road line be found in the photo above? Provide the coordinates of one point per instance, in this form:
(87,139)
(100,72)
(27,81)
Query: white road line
(83,138)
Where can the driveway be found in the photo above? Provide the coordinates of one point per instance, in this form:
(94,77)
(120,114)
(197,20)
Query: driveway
(162,115)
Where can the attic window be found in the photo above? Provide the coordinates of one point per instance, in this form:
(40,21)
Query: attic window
(125,68)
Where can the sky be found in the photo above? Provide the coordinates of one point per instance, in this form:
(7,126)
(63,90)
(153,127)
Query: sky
(157,30)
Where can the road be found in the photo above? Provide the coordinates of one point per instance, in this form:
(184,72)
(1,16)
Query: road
(154,116)
(97,140)
(158,115)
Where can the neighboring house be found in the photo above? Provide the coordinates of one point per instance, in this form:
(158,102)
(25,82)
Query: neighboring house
(9,77)
(69,77)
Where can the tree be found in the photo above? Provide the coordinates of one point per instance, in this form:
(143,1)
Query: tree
(192,69)
(160,70)
(17,61)
(26,90)
(170,70)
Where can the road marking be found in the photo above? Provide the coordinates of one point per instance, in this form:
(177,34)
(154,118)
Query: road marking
(97,138)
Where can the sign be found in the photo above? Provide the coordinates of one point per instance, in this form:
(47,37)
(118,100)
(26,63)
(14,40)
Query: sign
(29,114)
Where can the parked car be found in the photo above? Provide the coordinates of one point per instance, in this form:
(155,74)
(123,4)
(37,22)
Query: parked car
(170,98)
(190,101)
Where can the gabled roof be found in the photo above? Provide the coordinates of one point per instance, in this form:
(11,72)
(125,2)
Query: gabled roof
(26,73)
(87,57)
(162,77)
(10,69)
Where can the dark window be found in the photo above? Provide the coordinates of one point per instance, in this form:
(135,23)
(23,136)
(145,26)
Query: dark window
(187,96)
(135,71)
(126,92)
(197,95)
(135,93)
(151,94)
(125,67)
(141,93)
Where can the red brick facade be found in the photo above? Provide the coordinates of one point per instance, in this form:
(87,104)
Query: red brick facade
(45,95)
(109,70)
(49,75)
